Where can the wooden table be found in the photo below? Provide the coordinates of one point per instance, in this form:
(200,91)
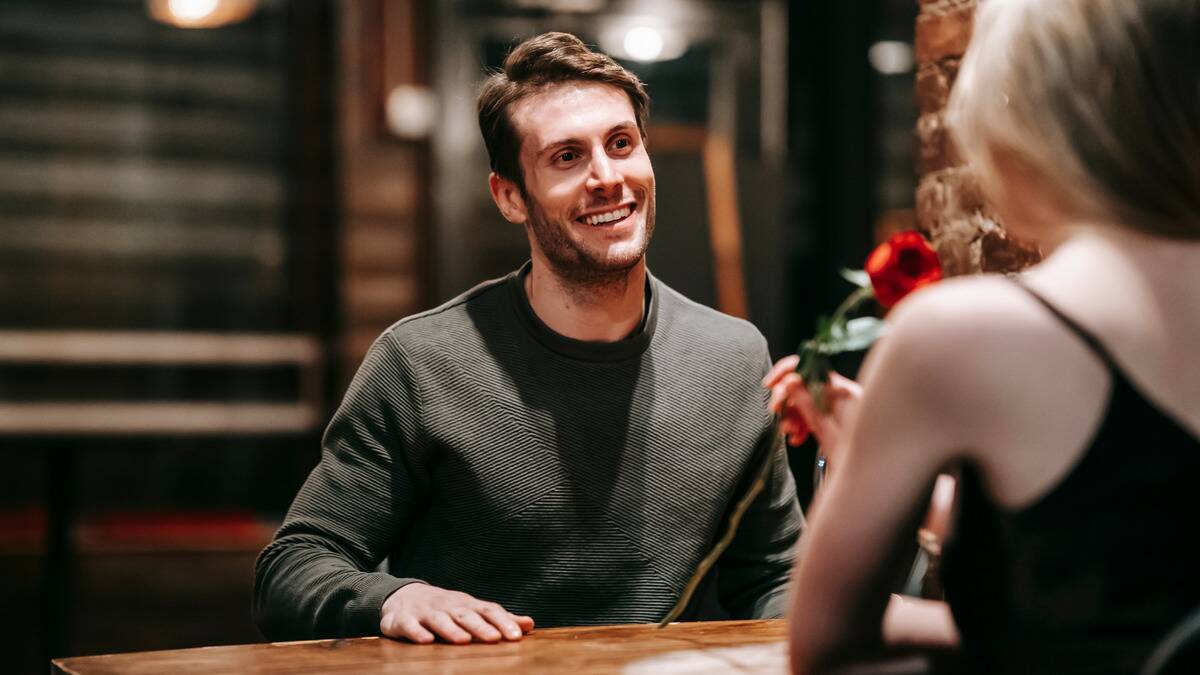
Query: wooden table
(719,646)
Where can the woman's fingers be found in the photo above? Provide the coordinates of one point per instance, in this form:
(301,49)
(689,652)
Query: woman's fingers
(787,401)
(844,387)
(794,430)
(790,399)
(796,408)
(786,392)
(803,402)
(782,367)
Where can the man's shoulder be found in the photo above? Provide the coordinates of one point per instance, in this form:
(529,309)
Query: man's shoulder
(455,316)
(702,325)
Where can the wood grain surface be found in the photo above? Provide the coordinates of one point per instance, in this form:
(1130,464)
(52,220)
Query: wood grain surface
(717,646)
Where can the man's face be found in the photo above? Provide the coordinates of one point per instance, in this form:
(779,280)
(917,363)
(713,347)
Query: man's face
(589,187)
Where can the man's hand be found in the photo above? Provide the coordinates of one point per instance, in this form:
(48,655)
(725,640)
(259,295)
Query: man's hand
(798,414)
(418,612)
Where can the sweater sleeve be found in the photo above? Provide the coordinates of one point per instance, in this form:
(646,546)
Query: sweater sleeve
(753,572)
(316,579)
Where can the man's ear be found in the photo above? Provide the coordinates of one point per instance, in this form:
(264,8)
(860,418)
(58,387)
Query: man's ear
(508,198)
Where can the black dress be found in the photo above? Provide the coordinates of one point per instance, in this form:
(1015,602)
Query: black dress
(1092,575)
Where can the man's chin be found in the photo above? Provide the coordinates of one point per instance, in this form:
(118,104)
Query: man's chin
(620,258)
(598,270)
(584,256)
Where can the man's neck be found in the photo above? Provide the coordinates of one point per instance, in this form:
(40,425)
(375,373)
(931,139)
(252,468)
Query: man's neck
(595,313)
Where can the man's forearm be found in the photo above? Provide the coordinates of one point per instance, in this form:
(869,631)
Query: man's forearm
(304,590)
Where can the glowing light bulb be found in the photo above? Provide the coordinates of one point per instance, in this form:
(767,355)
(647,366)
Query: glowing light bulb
(643,43)
(200,13)
(890,57)
(411,111)
(192,10)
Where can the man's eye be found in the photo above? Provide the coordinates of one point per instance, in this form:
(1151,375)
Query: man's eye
(621,143)
(568,156)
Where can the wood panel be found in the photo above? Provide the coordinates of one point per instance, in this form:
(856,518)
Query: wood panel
(120,347)
(139,179)
(126,77)
(46,291)
(142,178)
(744,646)
(385,181)
(117,26)
(130,238)
(159,179)
(48,127)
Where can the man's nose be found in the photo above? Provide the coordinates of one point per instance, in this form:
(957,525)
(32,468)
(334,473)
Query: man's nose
(604,176)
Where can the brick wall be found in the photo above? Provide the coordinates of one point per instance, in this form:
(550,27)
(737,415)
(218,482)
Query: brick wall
(950,206)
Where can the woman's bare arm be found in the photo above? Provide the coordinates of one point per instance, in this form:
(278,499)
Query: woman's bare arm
(890,450)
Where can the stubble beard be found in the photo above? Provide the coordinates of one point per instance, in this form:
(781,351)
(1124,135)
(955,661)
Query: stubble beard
(585,272)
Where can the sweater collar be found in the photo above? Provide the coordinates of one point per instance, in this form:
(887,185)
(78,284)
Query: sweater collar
(585,350)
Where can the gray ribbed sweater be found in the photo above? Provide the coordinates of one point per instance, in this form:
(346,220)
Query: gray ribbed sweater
(576,482)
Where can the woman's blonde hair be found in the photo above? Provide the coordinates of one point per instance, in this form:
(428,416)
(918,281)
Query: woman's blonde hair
(1100,97)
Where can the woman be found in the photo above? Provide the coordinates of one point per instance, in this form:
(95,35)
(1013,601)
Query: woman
(1070,398)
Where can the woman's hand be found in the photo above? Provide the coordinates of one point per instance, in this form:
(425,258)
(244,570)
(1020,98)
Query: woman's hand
(798,414)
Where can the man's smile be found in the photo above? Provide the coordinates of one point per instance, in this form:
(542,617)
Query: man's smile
(608,216)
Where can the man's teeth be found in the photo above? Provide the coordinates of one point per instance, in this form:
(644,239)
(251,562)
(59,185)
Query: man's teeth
(607,217)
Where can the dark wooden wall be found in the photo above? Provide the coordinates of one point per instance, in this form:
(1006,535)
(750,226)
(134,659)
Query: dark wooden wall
(140,171)
(159,179)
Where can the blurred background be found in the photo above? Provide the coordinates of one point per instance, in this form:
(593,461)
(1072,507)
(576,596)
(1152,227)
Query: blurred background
(209,208)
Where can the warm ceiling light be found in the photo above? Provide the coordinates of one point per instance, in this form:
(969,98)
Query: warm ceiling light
(411,111)
(642,38)
(201,13)
(890,57)
(643,43)
(191,10)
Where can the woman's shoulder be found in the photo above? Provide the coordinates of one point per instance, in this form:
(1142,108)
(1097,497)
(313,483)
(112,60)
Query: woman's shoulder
(990,358)
(985,342)
(968,317)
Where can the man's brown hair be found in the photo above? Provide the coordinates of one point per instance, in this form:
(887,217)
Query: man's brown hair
(549,58)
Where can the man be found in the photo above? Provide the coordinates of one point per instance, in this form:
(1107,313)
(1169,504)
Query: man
(559,445)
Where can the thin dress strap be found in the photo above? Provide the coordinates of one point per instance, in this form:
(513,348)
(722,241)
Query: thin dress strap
(1082,333)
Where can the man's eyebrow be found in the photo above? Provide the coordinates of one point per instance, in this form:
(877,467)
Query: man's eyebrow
(559,143)
(620,126)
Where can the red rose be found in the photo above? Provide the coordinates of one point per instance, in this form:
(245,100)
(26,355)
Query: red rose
(900,266)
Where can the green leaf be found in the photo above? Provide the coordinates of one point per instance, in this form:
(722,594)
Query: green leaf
(857,277)
(808,352)
(814,368)
(852,336)
(862,332)
(824,329)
